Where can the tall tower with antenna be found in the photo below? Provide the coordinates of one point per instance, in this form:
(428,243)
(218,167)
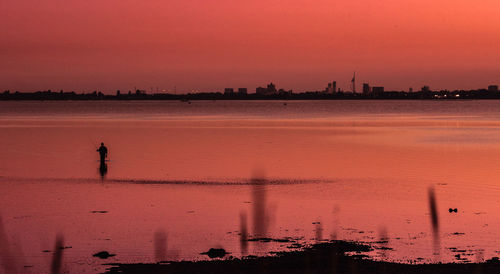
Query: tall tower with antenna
(353,81)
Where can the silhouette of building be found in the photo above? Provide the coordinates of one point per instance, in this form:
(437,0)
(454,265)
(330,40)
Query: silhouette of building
(425,89)
(242,91)
(366,88)
(493,88)
(284,92)
(331,88)
(228,91)
(328,88)
(261,90)
(270,90)
(378,90)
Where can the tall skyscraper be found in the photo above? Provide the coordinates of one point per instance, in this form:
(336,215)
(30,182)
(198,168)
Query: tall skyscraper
(366,88)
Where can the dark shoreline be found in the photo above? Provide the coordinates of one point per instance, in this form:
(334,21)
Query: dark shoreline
(310,95)
(327,257)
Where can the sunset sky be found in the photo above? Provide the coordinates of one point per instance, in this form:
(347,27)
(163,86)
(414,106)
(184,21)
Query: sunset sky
(207,45)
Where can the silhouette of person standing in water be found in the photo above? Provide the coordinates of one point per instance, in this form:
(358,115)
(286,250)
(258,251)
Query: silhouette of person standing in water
(103,152)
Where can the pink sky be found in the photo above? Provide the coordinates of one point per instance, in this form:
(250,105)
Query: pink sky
(209,45)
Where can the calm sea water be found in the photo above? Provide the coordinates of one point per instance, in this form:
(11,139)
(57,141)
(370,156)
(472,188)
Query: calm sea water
(179,179)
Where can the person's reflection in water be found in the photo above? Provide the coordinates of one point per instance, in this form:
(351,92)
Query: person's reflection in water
(103,153)
(103,169)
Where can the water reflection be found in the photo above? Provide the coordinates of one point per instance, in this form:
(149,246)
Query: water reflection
(243,233)
(259,200)
(435,222)
(5,251)
(103,169)
(57,257)
(377,163)
(160,243)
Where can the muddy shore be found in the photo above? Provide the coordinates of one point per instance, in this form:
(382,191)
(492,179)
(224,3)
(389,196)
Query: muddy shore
(331,257)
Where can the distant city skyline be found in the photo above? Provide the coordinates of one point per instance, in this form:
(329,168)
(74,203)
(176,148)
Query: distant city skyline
(269,92)
(205,45)
(270,88)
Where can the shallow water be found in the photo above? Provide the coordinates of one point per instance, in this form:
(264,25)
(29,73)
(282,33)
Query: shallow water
(179,178)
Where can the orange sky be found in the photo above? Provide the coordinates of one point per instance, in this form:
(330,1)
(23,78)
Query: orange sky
(212,44)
